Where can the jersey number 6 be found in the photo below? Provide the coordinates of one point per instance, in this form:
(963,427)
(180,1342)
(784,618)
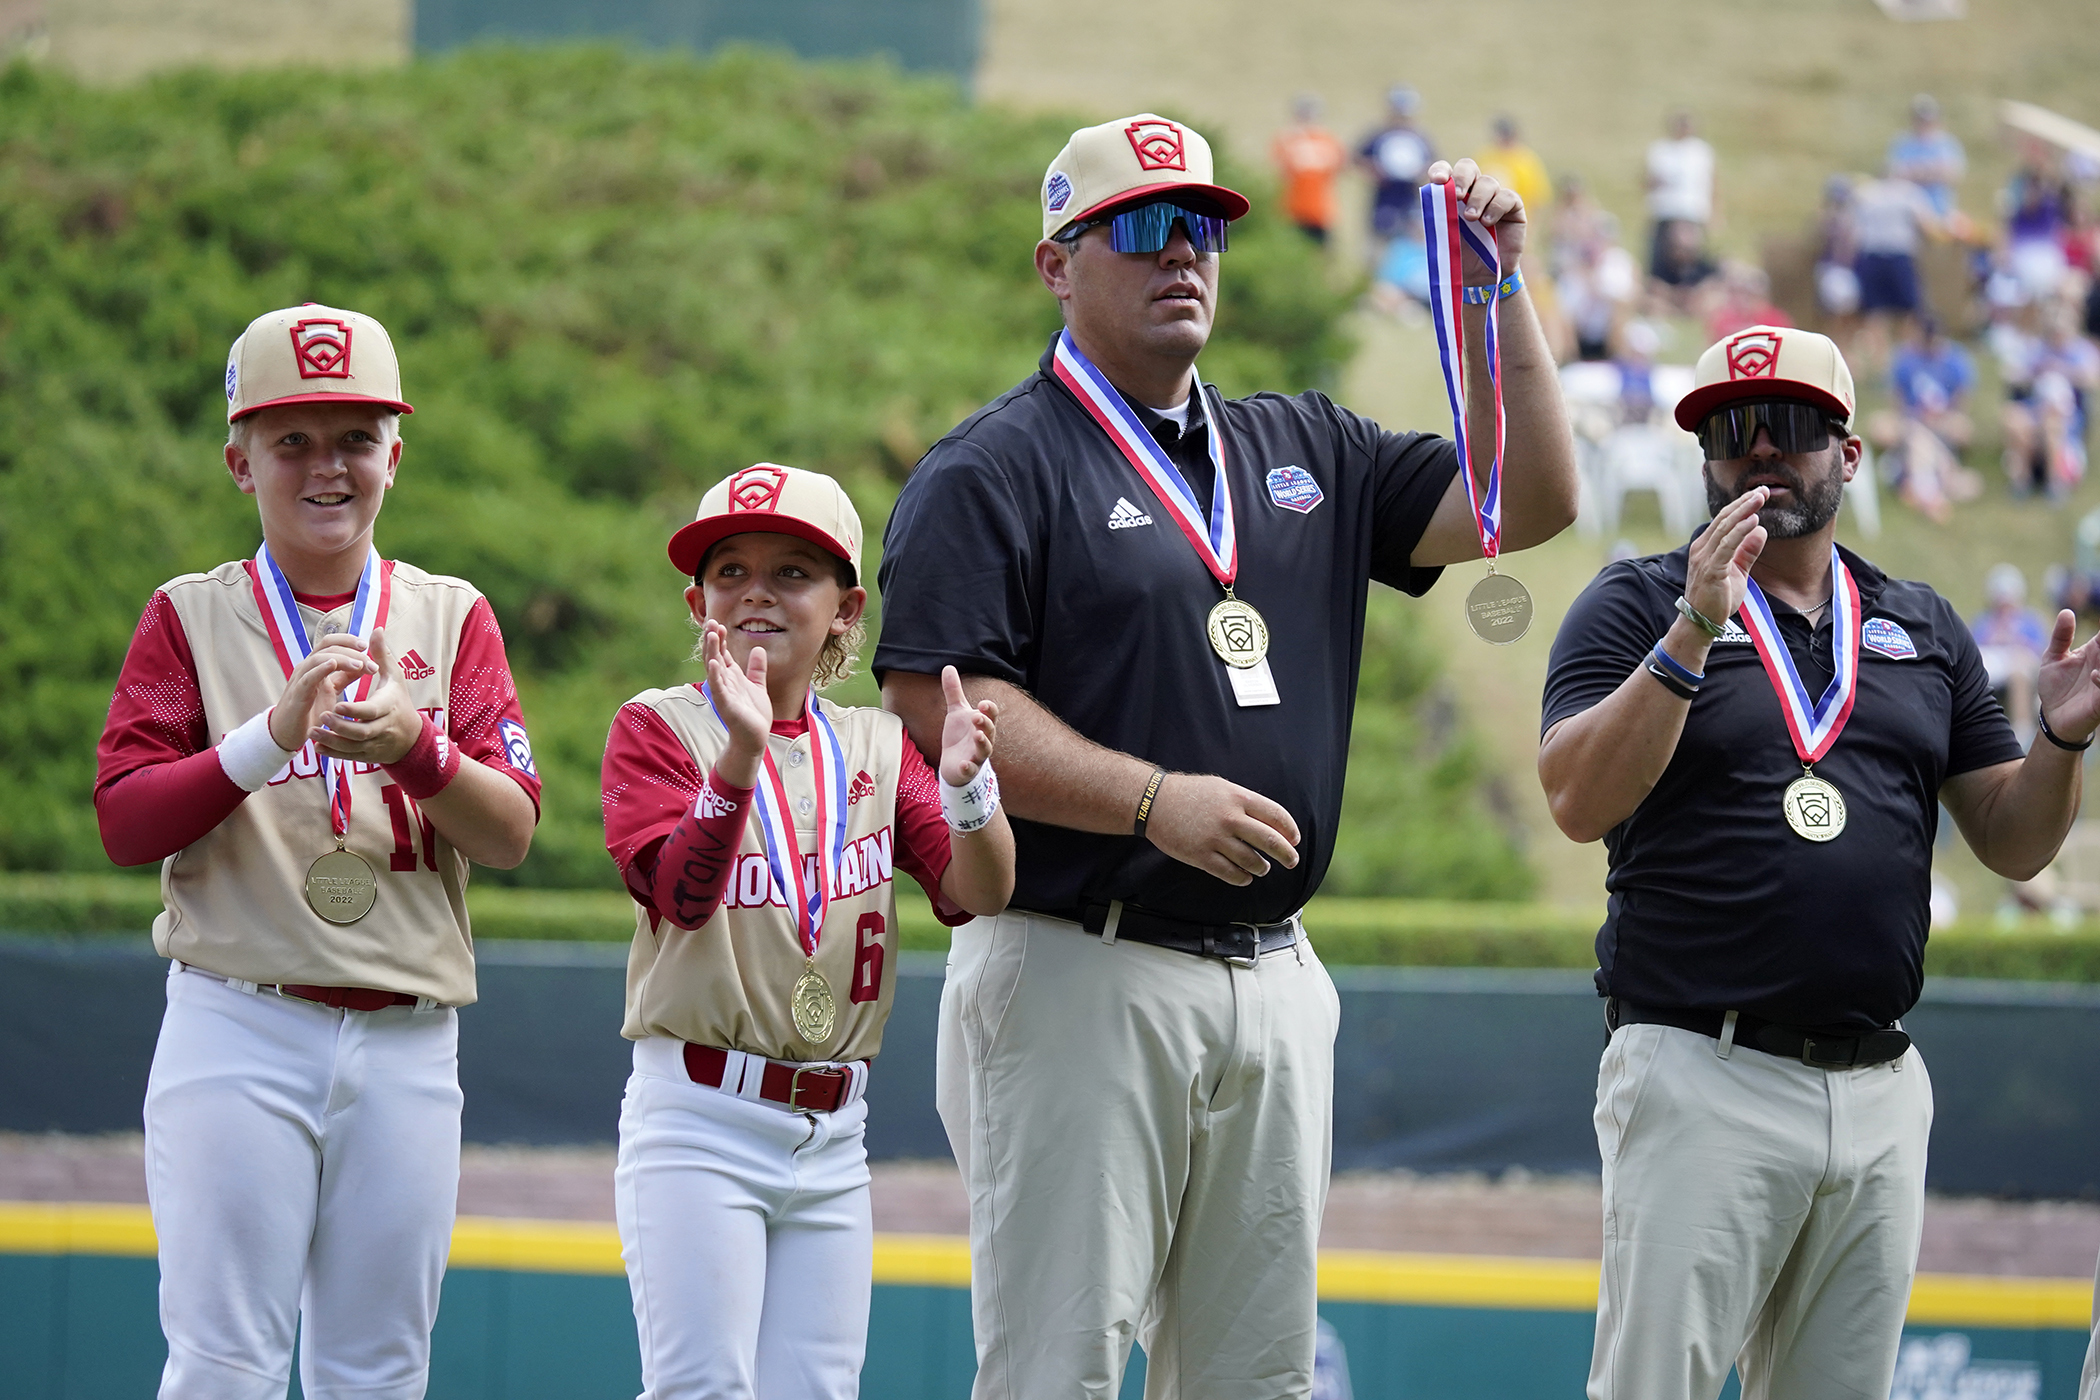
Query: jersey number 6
(867,959)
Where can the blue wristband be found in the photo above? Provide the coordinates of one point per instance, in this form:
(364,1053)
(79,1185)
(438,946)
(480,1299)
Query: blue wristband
(1683,673)
(1507,287)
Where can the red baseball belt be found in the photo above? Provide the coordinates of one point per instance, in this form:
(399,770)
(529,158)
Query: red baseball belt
(803,1088)
(341,998)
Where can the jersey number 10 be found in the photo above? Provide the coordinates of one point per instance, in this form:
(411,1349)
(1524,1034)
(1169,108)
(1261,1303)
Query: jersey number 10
(399,808)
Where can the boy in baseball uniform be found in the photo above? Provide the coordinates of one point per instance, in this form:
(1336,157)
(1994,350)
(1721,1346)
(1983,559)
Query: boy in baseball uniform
(758,828)
(314,743)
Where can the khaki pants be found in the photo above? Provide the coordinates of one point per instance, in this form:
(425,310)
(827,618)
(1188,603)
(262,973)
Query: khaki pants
(1756,1211)
(1145,1138)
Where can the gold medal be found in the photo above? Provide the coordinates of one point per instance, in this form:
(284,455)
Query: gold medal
(340,887)
(1499,609)
(815,1010)
(1237,633)
(1814,809)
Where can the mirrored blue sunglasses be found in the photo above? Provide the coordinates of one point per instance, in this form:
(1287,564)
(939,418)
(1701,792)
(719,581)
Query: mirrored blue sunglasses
(1147,228)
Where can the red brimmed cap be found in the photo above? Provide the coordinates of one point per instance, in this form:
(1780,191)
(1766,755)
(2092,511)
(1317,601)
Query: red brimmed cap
(312,354)
(776,500)
(1128,160)
(1768,362)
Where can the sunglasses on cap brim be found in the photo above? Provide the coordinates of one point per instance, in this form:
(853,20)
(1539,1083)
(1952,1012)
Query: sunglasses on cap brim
(1147,228)
(1794,427)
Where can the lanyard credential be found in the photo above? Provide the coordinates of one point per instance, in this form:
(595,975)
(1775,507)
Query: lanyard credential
(1813,806)
(1499,607)
(807,890)
(340,886)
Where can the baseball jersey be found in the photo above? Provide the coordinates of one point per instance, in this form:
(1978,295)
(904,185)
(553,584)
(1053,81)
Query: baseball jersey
(201,665)
(728,983)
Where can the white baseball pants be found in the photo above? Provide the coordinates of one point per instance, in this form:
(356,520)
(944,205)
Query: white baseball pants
(1756,1211)
(1145,1137)
(303,1167)
(748,1239)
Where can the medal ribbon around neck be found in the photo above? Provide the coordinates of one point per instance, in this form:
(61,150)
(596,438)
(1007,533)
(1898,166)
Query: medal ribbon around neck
(1814,728)
(807,892)
(1215,541)
(1445,234)
(280,614)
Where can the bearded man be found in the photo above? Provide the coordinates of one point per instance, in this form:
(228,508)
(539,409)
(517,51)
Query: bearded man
(1762,727)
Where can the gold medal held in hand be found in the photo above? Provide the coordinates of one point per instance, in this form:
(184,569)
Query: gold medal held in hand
(1237,633)
(1499,609)
(815,1010)
(1814,808)
(340,887)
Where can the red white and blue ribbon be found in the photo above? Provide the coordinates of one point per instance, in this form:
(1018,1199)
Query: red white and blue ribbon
(1214,538)
(1445,234)
(1814,726)
(280,614)
(805,888)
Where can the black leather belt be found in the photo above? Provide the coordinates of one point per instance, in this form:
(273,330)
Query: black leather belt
(1232,942)
(1811,1048)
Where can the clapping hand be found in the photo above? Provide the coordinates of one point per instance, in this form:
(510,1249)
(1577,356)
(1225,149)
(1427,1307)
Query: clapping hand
(741,699)
(1717,572)
(382,727)
(310,692)
(2069,685)
(967,734)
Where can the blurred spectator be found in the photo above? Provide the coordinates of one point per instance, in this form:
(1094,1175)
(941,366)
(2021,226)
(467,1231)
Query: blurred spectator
(2012,638)
(1638,344)
(1517,166)
(1922,441)
(1396,156)
(1680,185)
(1890,220)
(1929,156)
(1400,284)
(1579,222)
(2049,381)
(1837,284)
(1308,157)
(2038,214)
(1744,300)
(2078,587)
(1599,283)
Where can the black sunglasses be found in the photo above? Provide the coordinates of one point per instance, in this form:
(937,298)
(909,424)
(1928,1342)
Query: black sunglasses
(1147,228)
(1795,427)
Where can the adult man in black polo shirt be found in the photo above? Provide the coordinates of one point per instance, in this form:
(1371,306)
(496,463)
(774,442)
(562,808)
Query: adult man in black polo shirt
(1762,727)
(1137,1062)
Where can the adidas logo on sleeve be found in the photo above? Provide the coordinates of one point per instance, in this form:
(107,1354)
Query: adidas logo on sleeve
(1126,516)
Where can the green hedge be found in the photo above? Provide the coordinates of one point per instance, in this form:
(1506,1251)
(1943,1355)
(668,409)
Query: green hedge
(1348,932)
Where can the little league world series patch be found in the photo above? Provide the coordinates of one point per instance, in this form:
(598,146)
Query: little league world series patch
(1888,638)
(1293,488)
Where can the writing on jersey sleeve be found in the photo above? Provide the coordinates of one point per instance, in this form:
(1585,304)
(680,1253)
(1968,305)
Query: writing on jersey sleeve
(486,720)
(648,781)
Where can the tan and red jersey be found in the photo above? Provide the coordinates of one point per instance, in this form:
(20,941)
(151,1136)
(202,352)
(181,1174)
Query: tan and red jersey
(201,665)
(728,982)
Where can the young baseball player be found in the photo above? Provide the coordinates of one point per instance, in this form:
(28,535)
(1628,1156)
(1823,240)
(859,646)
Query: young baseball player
(314,743)
(758,828)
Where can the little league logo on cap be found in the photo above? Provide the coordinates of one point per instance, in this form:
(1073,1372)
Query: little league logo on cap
(1768,362)
(312,354)
(1125,161)
(771,499)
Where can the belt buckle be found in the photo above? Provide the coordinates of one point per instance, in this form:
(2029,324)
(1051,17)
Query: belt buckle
(795,1088)
(289,995)
(1253,958)
(1808,1055)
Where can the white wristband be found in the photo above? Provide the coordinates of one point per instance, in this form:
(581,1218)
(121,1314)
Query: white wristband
(250,756)
(969,808)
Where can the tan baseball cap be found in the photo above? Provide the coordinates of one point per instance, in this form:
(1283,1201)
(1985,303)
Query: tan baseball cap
(1768,362)
(312,354)
(772,499)
(1128,159)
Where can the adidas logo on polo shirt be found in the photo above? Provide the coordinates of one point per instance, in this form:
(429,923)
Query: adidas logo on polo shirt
(1126,516)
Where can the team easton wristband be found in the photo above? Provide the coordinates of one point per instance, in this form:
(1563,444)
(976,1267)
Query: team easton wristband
(969,807)
(2050,735)
(1144,811)
(1501,291)
(429,765)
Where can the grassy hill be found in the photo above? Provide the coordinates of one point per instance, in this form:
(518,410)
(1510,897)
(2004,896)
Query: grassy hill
(612,278)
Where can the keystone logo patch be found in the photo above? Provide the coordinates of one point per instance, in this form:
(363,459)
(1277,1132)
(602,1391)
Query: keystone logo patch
(516,747)
(757,488)
(1158,145)
(322,349)
(1753,355)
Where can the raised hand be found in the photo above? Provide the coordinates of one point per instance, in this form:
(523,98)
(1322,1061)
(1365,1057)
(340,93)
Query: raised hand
(742,700)
(2069,685)
(336,661)
(382,727)
(1717,573)
(967,734)
(1218,826)
(1484,200)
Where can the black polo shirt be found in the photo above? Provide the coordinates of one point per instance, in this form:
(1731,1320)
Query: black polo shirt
(1715,902)
(1025,547)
